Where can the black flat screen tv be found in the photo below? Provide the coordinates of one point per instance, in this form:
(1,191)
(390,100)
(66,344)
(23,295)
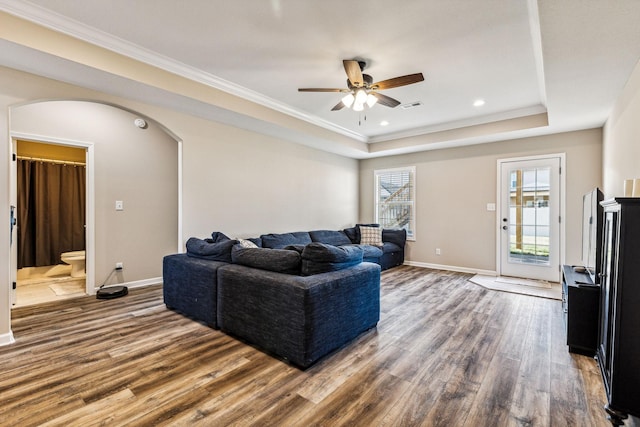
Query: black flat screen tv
(592,213)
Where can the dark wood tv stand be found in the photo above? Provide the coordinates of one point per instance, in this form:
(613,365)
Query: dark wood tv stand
(580,304)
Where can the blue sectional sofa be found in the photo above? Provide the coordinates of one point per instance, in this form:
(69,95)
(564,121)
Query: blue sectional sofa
(389,254)
(290,294)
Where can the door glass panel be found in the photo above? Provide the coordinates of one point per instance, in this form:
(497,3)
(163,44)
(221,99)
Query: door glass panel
(529,216)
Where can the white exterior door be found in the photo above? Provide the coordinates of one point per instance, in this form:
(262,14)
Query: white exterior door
(530,218)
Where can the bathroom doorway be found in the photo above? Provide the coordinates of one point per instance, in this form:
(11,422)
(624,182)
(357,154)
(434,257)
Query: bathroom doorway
(51,203)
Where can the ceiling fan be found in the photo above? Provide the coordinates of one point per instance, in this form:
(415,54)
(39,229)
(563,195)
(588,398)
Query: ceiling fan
(361,89)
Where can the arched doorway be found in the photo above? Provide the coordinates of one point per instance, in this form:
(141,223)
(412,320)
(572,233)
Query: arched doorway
(131,159)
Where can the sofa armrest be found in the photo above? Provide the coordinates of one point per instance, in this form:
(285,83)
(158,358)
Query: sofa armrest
(399,237)
(191,286)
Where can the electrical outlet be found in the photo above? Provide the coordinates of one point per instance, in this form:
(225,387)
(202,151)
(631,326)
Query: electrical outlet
(119,205)
(119,265)
(438,251)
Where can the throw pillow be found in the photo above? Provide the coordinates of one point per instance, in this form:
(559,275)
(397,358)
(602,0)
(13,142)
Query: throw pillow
(218,236)
(371,236)
(220,251)
(246,243)
(353,234)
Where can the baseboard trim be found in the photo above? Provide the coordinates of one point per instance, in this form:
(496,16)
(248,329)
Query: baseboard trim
(6,339)
(450,268)
(136,283)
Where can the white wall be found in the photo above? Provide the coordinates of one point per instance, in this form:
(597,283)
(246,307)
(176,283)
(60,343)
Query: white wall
(453,187)
(235,181)
(621,146)
(621,142)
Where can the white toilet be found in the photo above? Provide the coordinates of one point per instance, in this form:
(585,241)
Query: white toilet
(76,260)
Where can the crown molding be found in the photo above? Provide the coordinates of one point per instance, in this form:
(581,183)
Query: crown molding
(80,31)
(464,123)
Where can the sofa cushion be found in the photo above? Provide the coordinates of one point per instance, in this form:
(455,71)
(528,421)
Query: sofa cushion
(321,258)
(279,241)
(199,248)
(278,260)
(369,251)
(297,248)
(330,237)
(397,236)
(370,236)
(390,247)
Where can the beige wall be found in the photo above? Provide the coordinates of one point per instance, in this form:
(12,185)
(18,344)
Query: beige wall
(245,184)
(137,166)
(453,188)
(621,146)
(235,181)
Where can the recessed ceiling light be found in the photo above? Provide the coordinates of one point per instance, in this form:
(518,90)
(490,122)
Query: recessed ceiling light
(384,123)
(478,103)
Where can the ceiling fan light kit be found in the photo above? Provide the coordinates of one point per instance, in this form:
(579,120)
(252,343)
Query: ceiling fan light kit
(361,91)
(348,100)
(360,100)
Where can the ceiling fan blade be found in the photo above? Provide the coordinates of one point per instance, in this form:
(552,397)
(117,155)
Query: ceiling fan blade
(385,100)
(320,89)
(398,81)
(338,106)
(354,73)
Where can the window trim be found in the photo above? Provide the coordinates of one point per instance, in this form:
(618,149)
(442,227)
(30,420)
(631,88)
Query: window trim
(376,190)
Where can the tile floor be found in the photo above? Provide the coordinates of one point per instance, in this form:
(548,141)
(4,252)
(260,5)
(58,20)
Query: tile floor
(50,283)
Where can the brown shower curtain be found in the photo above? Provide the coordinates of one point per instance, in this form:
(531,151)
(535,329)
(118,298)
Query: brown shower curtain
(51,211)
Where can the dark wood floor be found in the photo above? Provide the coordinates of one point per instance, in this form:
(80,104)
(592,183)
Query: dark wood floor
(445,353)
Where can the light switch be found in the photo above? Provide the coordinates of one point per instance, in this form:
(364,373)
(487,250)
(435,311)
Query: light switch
(119,205)
(491,206)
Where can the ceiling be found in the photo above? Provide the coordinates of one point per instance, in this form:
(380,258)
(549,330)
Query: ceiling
(541,67)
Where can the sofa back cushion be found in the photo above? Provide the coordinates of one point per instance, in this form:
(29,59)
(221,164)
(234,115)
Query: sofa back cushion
(279,241)
(278,260)
(256,241)
(206,249)
(321,258)
(330,237)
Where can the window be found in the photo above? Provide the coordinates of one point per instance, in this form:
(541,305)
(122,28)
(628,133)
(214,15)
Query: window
(395,199)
